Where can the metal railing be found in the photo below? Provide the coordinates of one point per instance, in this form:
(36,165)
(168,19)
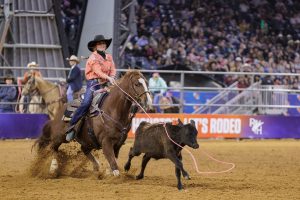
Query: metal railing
(247,99)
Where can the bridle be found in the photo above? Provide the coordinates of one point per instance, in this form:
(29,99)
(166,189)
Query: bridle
(31,82)
(134,100)
(137,96)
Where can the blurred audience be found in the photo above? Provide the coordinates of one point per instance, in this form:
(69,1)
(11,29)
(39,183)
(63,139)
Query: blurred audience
(8,94)
(71,12)
(234,36)
(157,87)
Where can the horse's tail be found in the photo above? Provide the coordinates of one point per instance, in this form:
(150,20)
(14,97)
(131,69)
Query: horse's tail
(45,138)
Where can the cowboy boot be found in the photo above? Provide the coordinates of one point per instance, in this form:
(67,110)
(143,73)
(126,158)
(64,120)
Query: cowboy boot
(70,133)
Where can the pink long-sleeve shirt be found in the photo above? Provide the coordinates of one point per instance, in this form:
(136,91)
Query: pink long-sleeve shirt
(100,68)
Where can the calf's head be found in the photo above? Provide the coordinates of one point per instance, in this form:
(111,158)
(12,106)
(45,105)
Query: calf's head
(188,133)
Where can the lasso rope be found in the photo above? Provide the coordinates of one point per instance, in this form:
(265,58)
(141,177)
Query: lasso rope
(192,156)
(195,162)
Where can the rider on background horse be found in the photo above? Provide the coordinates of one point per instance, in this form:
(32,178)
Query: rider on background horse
(74,78)
(100,69)
(31,72)
(35,108)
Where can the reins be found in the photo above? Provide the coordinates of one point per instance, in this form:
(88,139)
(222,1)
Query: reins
(55,86)
(121,127)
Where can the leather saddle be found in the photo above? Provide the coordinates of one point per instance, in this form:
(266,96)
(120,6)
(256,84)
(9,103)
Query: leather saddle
(98,98)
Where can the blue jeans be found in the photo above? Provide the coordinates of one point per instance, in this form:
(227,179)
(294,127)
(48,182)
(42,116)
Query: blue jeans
(70,94)
(91,85)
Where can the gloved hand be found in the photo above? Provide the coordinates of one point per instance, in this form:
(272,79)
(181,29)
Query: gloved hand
(111,80)
(61,80)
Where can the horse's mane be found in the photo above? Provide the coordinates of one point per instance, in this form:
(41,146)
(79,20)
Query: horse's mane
(127,75)
(43,80)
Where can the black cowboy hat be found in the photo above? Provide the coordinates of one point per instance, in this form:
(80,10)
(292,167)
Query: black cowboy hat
(98,38)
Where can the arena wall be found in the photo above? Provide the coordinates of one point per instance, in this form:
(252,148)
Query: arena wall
(15,126)
(19,126)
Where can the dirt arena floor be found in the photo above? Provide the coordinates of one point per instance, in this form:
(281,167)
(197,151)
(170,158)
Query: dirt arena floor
(265,169)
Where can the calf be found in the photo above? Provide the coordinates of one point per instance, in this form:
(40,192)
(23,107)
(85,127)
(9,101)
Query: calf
(153,141)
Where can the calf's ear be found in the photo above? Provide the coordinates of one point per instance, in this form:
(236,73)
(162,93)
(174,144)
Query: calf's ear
(179,122)
(193,123)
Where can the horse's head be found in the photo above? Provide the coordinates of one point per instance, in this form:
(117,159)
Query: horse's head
(137,87)
(30,86)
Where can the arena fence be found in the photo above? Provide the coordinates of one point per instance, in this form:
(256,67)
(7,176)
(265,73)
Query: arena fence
(258,98)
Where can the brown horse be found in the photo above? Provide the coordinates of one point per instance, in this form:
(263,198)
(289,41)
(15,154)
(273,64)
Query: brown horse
(110,127)
(50,92)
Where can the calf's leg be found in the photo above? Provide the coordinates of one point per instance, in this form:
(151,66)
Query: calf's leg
(132,153)
(146,159)
(172,156)
(184,173)
(179,167)
(178,173)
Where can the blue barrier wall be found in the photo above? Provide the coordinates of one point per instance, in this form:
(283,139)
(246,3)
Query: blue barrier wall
(14,126)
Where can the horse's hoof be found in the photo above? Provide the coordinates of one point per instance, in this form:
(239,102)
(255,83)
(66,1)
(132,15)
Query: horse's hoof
(180,187)
(116,172)
(53,167)
(127,167)
(187,177)
(139,177)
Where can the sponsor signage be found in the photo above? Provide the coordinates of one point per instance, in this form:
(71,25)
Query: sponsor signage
(209,126)
(230,126)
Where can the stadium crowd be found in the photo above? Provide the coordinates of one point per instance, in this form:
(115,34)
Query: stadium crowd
(72,15)
(237,35)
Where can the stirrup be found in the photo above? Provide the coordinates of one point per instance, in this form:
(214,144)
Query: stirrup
(70,133)
(70,129)
(70,136)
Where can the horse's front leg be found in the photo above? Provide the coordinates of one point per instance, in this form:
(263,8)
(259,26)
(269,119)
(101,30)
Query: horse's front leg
(109,154)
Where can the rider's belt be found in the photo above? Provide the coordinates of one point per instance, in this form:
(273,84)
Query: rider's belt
(95,79)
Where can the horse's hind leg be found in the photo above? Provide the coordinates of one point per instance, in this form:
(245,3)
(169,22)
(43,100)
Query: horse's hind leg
(57,140)
(91,157)
(54,163)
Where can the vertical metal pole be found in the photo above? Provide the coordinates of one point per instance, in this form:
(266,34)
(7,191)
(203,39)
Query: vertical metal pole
(116,33)
(181,91)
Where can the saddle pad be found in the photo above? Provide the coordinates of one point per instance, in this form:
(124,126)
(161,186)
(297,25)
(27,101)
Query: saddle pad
(98,99)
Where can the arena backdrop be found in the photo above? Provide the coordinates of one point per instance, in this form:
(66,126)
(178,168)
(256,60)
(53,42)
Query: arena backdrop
(14,126)
(231,126)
